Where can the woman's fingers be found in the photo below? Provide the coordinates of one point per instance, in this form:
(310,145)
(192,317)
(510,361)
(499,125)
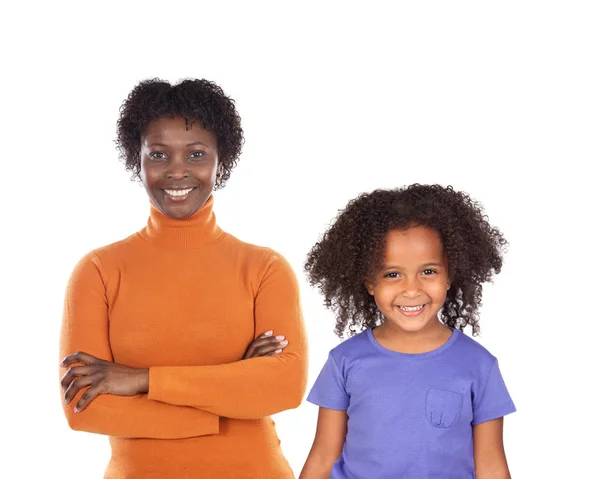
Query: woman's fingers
(77,385)
(266,345)
(87,398)
(250,352)
(275,346)
(78,377)
(74,372)
(79,357)
(100,377)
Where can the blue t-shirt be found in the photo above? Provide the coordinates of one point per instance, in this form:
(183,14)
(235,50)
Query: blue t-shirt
(410,415)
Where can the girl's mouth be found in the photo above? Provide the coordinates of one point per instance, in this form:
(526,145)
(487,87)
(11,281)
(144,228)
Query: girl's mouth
(411,310)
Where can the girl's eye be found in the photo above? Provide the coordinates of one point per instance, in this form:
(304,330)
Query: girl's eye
(391,275)
(157,155)
(429,272)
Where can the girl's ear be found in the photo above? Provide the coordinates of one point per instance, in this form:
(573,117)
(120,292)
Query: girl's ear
(369,287)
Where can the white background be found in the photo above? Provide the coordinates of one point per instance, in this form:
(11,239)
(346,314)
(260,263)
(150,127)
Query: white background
(500,99)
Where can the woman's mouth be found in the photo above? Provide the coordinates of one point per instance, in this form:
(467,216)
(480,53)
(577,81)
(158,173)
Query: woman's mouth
(179,194)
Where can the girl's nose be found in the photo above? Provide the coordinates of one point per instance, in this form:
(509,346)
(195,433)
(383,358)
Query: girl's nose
(412,288)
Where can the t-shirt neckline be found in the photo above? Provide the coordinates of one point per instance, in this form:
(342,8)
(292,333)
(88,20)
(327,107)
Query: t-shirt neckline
(427,355)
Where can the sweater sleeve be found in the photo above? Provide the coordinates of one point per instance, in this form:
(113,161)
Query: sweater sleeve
(255,387)
(85,327)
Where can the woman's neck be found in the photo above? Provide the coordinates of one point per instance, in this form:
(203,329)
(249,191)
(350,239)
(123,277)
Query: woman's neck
(190,233)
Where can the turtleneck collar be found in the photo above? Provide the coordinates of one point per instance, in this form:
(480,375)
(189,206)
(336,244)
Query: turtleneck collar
(190,233)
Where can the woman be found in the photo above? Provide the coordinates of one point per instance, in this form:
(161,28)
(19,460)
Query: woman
(172,338)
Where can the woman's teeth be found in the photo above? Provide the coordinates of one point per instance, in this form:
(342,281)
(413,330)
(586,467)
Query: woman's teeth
(178,192)
(411,308)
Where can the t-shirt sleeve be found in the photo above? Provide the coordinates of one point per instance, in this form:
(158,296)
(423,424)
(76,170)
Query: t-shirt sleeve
(329,390)
(492,400)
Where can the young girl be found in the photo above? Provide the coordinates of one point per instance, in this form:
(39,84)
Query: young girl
(411,396)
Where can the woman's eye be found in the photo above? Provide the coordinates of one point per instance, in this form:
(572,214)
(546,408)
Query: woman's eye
(197,155)
(157,155)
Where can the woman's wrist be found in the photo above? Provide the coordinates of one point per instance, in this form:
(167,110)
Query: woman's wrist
(144,380)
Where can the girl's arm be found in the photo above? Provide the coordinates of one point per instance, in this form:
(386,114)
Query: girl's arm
(488,449)
(327,446)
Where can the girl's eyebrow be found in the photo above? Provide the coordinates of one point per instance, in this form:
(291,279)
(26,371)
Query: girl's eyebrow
(385,267)
(431,263)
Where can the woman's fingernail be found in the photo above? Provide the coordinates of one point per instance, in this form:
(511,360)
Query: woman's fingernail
(268,333)
(284,343)
(279,338)
(278,351)
(76,410)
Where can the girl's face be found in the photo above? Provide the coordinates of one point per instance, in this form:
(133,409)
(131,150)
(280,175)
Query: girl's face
(179,162)
(411,286)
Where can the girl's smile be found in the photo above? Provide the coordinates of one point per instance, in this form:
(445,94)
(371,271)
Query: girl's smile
(411,311)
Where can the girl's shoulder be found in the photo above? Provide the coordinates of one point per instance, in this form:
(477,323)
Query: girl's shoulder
(351,348)
(467,346)
(470,356)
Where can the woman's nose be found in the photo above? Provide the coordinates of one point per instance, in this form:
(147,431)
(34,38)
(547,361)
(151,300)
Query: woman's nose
(177,170)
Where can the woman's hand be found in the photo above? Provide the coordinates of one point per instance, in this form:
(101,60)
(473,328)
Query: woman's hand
(265,345)
(100,377)
(105,377)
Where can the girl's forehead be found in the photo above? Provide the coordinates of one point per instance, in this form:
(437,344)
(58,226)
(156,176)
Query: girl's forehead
(413,243)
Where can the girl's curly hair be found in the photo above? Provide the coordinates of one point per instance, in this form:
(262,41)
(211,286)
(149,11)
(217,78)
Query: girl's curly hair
(351,251)
(200,100)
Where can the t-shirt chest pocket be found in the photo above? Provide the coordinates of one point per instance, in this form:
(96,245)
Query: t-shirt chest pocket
(443,407)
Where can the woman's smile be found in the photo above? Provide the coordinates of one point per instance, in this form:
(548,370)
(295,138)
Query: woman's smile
(178,195)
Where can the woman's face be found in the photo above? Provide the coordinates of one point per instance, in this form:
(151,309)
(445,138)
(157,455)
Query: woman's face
(179,162)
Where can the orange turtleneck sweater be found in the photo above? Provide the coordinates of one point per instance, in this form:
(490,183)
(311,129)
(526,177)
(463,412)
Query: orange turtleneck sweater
(185,299)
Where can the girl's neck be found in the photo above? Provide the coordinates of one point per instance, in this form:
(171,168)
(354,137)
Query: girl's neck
(391,337)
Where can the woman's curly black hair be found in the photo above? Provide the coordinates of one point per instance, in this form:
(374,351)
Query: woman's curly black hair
(194,99)
(352,248)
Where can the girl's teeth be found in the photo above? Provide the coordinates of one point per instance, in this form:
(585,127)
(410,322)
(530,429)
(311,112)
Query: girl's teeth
(411,308)
(178,192)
